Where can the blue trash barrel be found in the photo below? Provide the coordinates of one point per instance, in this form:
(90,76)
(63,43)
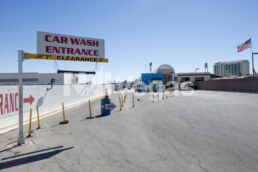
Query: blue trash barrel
(103,104)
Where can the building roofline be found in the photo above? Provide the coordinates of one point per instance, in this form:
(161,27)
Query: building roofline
(236,61)
(18,73)
(196,74)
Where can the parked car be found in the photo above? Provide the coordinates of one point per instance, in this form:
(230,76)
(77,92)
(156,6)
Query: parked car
(187,86)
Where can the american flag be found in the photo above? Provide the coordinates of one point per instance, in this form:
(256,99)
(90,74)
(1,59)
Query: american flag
(245,45)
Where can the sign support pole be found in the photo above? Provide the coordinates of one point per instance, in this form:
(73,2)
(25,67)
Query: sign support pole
(20,60)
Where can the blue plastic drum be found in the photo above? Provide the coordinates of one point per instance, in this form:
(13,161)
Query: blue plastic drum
(105,111)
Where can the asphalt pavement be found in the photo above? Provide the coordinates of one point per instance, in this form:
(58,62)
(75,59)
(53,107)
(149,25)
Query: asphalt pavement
(198,131)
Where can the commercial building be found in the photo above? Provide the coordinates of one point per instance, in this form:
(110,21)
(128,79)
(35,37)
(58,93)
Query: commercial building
(168,73)
(159,78)
(151,82)
(152,78)
(232,68)
(195,76)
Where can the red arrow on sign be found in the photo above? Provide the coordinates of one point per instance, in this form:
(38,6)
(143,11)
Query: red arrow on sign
(29,100)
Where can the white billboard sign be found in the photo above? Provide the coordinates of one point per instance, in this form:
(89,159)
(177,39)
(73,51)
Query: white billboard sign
(66,45)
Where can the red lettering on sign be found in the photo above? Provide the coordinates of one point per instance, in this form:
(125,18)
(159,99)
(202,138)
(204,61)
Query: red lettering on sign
(70,51)
(6,107)
(46,38)
(83,42)
(64,40)
(55,50)
(56,39)
(1,103)
(90,52)
(96,52)
(95,43)
(84,52)
(77,51)
(11,102)
(75,41)
(16,102)
(49,49)
(63,49)
(89,42)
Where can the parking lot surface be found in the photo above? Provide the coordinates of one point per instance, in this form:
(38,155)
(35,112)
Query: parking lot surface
(205,131)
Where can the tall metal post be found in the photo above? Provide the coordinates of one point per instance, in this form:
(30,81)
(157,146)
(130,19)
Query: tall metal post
(253,62)
(20,60)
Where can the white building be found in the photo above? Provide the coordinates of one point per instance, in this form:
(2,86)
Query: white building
(38,78)
(195,76)
(232,68)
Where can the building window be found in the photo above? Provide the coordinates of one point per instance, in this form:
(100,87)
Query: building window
(224,71)
(221,71)
(235,69)
(185,79)
(239,72)
(199,78)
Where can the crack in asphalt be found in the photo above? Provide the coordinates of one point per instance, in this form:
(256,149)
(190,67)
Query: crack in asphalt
(185,151)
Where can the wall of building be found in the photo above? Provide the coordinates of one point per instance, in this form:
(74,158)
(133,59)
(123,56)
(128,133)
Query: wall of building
(233,68)
(45,78)
(12,78)
(246,70)
(48,99)
(149,78)
(193,78)
(242,85)
(38,78)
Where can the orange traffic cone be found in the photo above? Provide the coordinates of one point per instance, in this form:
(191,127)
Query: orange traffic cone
(106,95)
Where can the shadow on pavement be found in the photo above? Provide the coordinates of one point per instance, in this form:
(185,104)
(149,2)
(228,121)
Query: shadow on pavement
(8,148)
(32,152)
(101,116)
(32,158)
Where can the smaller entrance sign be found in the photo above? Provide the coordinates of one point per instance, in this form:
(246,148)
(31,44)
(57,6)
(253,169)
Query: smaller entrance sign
(110,106)
(65,58)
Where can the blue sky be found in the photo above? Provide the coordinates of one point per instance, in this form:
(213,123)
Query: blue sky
(184,34)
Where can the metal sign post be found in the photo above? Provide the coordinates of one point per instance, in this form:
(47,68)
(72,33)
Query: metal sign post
(48,47)
(20,60)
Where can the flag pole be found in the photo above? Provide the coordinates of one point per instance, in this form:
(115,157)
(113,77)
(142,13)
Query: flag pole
(252,57)
(253,62)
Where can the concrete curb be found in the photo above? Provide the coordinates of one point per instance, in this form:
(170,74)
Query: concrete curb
(25,122)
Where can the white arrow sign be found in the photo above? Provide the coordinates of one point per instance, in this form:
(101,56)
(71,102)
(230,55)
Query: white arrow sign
(110,106)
